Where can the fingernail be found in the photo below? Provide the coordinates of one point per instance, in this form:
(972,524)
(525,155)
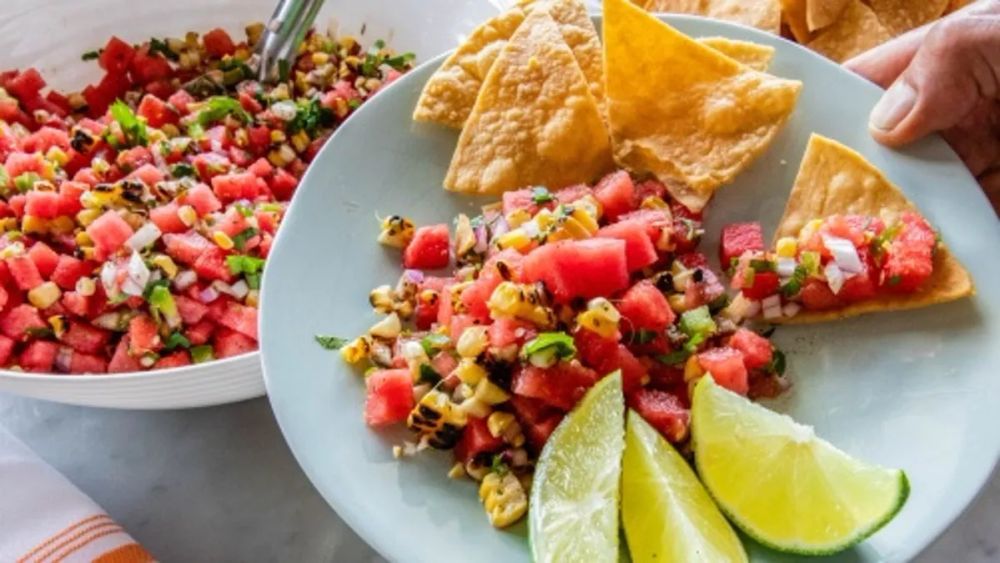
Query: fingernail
(895,104)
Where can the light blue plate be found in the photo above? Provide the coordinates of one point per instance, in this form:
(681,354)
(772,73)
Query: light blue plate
(917,390)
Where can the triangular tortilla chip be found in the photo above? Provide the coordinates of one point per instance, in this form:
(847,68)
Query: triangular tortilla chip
(821,13)
(793,13)
(696,118)
(900,16)
(753,55)
(535,121)
(856,31)
(762,14)
(834,179)
(451,92)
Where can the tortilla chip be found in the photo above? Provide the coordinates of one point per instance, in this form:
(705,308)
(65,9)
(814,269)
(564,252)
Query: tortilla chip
(855,32)
(900,16)
(821,13)
(834,179)
(793,13)
(695,118)
(753,55)
(451,92)
(535,121)
(762,14)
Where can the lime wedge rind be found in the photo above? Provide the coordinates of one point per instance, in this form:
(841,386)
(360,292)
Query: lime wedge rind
(716,480)
(573,512)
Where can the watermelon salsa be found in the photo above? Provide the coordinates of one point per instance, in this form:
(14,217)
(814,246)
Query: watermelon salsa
(832,263)
(550,291)
(136,215)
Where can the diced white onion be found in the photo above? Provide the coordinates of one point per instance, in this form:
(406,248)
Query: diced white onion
(772,312)
(185,279)
(284,110)
(109,321)
(145,236)
(844,253)
(834,277)
(786,267)
(208,295)
(771,301)
(482,240)
(238,290)
(109,273)
(64,358)
(531,228)
(753,309)
(138,275)
(414,352)
(791,309)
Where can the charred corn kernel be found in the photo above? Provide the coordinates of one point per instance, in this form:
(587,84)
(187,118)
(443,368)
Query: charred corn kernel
(437,419)
(87,216)
(503,498)
(187,215)
(476,470)
(414,354)
(16,248)
(77,101)
(692,369)
(396,231)
(222,240)
(88,252)
(389,327)
(278,136)
(357,349)
(586,219)
(320,58)
(348,43)
(404,309)
(517,239)
(34,225)
(520,301)
(457,471)
(677,302)
(428,297)
(83,239)
(469,371)
(517,218)
(254,32)
(8,224)
(472,342)
(474,407)
(170,130)
(166,263)
(498,422)
(381,299)
(44,295)
(61,225)
(253,298)
(58,324)
(786,247)
(654,202)
(301,141)
(455,294)
(601,317)
(57,155)
(489,393)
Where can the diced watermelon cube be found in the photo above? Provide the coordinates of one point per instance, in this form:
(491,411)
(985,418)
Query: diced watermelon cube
(6,348)
(585,268)
(156,111)
(211,264)
(116,55)
(25,272)
(166,219)
(232,222)
(756,350)
(187,247)
(283,184)
(639,248)
(44,205)
(39,356)
(87,363)
(429,248)
(817,296)
(191,310)
(476,439)
(506,331)
(727,368)
(560,386)
(85,338)
(663,411)
(148,174)
(75,304)
(109,232)
(147,67)
(69,197)
(232,315)
(180,101)
(261,168)
(199,333)
(143,336)
(763,285)
(177,359)
(18,163)
(241,185)
(202,198)
(616,194)
(44,257)
(536,418)
(520,200)
(44,139)
(909,260)
(121,360)
(218,43)
(645,308)
(390,397)
(231,343)
(738,238)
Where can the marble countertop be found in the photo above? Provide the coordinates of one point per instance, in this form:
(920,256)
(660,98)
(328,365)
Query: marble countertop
(219,484)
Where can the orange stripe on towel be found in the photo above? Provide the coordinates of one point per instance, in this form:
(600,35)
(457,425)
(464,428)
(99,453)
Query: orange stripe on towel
(110,526)
(54,538)
(128,553)
(74,548)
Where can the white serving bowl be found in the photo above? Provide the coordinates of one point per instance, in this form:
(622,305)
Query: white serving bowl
(52,34)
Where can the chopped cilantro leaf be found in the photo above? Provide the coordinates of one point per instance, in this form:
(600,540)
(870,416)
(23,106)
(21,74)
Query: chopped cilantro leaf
(354,103)
(674,358)
(794,284)
(433,342)
(160,46)
(428,374)
(182,169)
(310,117)
(330,342)
(541,194)
(244,210)
(497,465)
(40,332)
(762,265)
(176,340)
(777,365)
(643,336)
(217,108)
(400,62)
(90,55)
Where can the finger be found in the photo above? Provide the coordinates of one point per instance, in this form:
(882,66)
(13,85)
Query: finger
(976,138)
(956,68)
(991,185)
(883,64)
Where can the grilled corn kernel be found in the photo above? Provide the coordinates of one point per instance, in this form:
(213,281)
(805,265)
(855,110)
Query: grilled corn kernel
(62,225)
(357,349)
(469,372)
(86,286)
(517,239)
(457,471)
(83,239)
(586,219)
(811,228)
(187,215)
(381,299)
(601,317)
(517,218)
(253,298)
(692,369)
(222,240)
(490,393)
(503,498)
(389,327)
(57,155)
(87,216)
(8,224)
(472,342)
(465,238)
(44,295)
(166,264)
(437,419)
(474,407)
(520,301)
(396,231)
(32,224)
(786,247)
(498,422)
(677,302)
(300,141)
(654,202)
(58,324)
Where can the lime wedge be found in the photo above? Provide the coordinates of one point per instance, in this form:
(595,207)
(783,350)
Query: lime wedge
(573,512)
(781,484)
(668,515)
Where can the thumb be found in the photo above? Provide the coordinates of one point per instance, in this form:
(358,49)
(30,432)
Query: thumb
(956,67)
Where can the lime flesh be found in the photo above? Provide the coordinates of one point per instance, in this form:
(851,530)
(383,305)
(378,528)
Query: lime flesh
(573,511)
(668,515)
(782,485)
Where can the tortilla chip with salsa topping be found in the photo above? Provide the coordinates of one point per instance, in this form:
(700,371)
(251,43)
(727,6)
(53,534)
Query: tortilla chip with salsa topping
(835,180)
(683,111)
(535,121)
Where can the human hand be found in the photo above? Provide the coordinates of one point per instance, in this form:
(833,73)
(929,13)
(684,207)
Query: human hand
(943,77)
